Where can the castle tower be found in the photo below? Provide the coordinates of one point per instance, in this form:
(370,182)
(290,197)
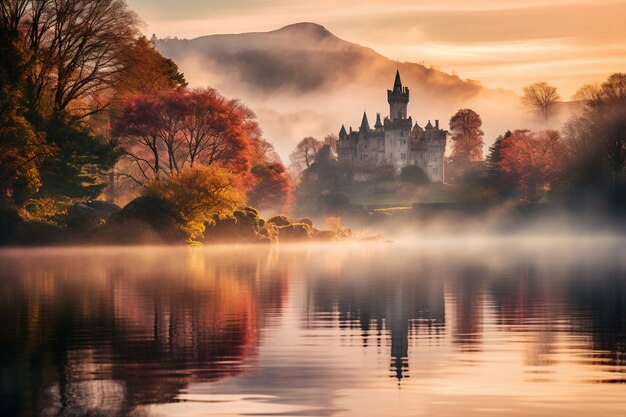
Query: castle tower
(365,125)
(398,99)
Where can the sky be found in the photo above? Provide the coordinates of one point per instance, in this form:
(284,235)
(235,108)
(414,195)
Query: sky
(501,43)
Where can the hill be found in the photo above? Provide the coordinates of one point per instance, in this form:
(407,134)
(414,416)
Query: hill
(302,80)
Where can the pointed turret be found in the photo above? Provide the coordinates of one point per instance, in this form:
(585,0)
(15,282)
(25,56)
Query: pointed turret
(397,84)
(343,132)
(398,99)
(365,125)
(429,125)
(378,124)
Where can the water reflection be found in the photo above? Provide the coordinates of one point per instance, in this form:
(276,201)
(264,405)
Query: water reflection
(315,330)
(106,330)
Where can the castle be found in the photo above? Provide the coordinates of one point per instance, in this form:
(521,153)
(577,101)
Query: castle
(395,141)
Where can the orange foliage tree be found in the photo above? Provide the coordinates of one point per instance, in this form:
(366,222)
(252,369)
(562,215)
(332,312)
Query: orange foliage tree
(532,160)
(467,136)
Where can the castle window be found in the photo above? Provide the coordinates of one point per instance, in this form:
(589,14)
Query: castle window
(403,156)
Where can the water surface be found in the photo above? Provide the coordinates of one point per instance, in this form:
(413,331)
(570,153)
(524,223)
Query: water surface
(465,327)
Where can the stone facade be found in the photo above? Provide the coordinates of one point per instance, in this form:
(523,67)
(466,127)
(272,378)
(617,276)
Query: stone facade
(395,140)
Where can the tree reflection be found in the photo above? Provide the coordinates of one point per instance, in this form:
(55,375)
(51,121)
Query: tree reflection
(102,335)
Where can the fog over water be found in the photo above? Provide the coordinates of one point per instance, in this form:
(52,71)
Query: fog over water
(466,326)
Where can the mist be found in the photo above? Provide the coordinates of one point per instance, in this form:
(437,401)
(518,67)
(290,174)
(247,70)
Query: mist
(304,81)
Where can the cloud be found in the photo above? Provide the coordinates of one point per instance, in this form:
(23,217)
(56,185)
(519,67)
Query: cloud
(475,38)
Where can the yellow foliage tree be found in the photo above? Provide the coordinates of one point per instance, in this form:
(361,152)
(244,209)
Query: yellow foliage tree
(199,194)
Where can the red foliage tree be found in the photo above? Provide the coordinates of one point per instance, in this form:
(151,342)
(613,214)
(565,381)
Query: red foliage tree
(164,133)
(531,161)
(273,188)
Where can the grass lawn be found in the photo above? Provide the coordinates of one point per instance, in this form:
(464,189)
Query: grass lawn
(399,194)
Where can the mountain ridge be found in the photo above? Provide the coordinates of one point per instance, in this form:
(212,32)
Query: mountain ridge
(304,69)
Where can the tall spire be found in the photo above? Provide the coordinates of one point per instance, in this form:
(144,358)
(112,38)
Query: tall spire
(343,132)
(365,125)
(378,124)
(397,85)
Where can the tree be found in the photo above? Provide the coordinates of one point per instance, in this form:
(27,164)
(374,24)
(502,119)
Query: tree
(494,176)
(304,154)
(273,187)
(542,99)
(164,133)
(147,71)
(463,165)
(532,160)
(198,194)
(597,137)
(78,167)
(77,48)
(332,141)
(467,137)
(22,148)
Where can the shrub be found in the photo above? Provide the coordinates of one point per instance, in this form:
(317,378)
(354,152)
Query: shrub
(334,202)
(414,175)
(198,194)
(279,220)
(296,232)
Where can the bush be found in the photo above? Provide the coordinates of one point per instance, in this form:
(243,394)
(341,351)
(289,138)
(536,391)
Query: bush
(279,220)
(146,219)
(414,175)
(334,202)
(198,194)
(296,232)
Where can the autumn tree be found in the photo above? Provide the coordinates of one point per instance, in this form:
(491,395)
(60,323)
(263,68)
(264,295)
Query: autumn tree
(467,136)
(304,154)
(147,71)
(73,55)
(542,99)
(272,190)
(199,193)
(467,146)
(532,161)
(164,133)
(77,48)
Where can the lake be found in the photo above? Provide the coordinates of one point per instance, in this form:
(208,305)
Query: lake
(472,326)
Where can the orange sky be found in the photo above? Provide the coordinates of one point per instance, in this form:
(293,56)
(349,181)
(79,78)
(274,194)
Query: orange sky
(501,43)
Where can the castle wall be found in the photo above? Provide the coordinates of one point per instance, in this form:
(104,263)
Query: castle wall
(398,142)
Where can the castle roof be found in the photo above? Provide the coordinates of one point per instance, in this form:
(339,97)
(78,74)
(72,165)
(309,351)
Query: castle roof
(429,125)
(397,85)
(343,132)
(417,128)
(365,125)
(378,124)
